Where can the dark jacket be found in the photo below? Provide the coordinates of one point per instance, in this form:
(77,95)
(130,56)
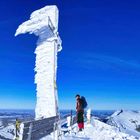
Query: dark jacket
(79,105)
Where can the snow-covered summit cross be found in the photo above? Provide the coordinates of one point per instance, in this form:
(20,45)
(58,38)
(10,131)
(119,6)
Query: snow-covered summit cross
(44,23)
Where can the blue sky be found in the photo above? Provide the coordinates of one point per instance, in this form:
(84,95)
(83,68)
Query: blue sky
(100,57)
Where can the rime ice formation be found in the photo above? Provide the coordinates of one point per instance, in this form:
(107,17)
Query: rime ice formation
(88,115)
(44,24)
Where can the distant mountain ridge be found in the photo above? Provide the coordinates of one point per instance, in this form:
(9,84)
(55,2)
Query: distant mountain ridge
(126,121)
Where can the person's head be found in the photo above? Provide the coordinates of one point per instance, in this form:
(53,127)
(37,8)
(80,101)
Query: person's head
(77,96)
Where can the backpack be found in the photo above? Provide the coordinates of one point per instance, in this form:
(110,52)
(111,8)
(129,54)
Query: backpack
(84,102)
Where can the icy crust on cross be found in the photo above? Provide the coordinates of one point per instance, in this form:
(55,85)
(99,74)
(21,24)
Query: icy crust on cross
(44,24)
(39,20)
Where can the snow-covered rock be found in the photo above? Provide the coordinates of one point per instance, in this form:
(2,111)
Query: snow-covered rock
(126,121)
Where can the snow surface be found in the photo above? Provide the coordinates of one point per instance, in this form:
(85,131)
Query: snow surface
(44,23)
(96,130)
(126,121)
(7,132)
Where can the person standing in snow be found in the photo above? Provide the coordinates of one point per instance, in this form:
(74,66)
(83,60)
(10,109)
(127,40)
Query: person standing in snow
(79,112)
(17,129)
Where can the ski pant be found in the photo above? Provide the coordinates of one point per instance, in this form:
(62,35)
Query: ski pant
(80,119)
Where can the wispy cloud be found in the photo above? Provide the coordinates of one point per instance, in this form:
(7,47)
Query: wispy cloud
(89,60)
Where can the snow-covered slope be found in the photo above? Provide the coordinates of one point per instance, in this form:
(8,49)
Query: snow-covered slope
(6,132)
(126,121)
(97,130)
